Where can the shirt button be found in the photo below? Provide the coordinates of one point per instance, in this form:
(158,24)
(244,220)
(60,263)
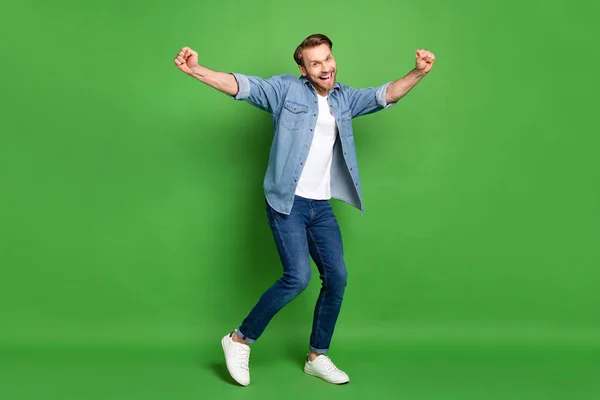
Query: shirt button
(311,130)
(314,115)
(301,163)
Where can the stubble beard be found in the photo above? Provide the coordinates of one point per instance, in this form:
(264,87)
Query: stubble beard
(318,84)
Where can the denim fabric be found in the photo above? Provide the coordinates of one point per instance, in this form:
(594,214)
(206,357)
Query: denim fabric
(293,103)
(310,230)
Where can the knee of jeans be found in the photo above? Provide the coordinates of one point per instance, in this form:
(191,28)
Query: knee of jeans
(297,280)
(337,279)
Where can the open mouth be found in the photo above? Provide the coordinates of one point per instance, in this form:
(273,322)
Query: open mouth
(326,78)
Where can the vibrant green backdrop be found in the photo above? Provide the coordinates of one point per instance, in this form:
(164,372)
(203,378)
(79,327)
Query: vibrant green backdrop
(133,229)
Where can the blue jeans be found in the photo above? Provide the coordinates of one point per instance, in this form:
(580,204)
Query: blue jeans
(311,230)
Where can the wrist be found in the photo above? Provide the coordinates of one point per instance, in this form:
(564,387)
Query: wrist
(195,71)
(418,73)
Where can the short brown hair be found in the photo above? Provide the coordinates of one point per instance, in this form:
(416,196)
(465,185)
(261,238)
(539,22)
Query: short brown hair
(314,40)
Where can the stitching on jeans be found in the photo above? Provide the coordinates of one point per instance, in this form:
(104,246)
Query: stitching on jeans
(276,227)
(312,238)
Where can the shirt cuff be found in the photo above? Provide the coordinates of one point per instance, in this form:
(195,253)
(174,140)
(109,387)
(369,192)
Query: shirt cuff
(243,86)
(381,94)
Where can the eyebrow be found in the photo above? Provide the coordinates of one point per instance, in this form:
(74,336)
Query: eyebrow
(315,61)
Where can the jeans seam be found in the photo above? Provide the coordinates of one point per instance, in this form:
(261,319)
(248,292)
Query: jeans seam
(312,238)
(276,226)
(310,235)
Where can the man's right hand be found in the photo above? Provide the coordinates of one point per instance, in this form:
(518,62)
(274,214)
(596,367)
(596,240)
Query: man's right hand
(187,60)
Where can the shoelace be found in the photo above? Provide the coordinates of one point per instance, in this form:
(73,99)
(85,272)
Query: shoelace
(328,364)
(243,355)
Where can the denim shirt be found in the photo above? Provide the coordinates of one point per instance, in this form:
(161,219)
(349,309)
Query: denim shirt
(293,103)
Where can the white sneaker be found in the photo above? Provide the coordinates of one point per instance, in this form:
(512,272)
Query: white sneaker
(322,367)
(237,356)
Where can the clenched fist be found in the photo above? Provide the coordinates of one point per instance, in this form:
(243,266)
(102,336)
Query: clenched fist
(187,60)
(425,60)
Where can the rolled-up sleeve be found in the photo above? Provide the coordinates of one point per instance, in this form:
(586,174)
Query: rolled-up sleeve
(243,86)
(381,95)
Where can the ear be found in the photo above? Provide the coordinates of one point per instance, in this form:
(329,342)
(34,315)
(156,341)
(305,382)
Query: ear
(302,70)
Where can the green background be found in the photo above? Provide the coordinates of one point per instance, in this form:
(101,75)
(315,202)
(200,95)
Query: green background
(133,228)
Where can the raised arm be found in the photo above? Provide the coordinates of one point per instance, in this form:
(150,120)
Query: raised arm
(266,94)
(399,88)
(369,100)
(187,61)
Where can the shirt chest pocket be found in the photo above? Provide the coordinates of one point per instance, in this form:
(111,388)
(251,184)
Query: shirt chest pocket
(293,115)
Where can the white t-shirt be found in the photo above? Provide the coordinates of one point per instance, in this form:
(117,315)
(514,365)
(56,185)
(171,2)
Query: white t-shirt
(315,180)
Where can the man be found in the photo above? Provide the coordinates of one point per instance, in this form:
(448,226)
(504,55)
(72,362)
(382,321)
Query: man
(312,160)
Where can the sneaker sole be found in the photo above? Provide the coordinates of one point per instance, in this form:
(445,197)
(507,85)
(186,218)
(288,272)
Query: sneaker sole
(223,341)
(309,372)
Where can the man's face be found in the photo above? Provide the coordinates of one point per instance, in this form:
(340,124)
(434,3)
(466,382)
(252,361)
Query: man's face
(319,67)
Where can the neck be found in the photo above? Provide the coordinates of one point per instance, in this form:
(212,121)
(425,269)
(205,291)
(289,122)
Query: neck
(320,91)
